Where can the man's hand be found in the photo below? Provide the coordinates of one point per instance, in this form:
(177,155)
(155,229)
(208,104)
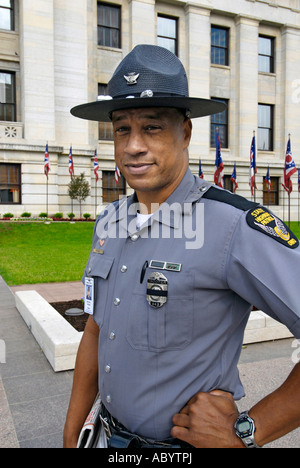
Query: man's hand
(207,421)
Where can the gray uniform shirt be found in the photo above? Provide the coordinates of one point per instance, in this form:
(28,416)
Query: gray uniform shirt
(153,360)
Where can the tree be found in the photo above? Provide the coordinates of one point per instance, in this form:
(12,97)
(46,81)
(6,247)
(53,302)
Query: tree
(79,189)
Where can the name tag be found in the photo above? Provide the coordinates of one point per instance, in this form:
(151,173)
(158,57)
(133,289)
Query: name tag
(89,295)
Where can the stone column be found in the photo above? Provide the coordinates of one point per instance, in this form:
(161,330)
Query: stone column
(37,69)
(246,83)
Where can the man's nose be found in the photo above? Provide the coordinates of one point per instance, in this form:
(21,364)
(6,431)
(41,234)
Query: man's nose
(135,144)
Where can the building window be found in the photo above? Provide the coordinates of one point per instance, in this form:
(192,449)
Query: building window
(105,128)
(10,184)
(272,197)
(167,33)
(7,97)
(219,45)
(266,54)
(7,15)
(227,183)
(265,127)
(109,25)
(219,124)
(111,190)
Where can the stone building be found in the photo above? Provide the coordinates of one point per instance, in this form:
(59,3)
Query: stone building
(55,54)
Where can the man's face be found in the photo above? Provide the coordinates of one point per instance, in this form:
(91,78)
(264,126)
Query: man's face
(151,149)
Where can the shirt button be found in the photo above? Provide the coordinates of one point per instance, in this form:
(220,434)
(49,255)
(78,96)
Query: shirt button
(107,369)
(117,301)
(108,398)
(123,268)
(134,237)
(112,335)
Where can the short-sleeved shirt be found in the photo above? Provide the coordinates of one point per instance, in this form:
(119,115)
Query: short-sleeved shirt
(218,260)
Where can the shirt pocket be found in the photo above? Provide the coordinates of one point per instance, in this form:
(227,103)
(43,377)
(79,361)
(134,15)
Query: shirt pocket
(169,327)
(99,268)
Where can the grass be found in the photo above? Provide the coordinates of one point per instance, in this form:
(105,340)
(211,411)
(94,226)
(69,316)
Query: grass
(39,253)
(295,227)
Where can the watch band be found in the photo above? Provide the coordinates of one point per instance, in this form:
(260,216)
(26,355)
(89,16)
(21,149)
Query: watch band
(245,428)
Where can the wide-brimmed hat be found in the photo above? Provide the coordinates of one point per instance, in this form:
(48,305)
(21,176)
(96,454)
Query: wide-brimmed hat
(149,76)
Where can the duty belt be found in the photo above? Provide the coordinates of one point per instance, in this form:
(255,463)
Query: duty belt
(119,437)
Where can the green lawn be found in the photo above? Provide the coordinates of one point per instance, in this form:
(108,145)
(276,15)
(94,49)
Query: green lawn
(295,227)
(41,253)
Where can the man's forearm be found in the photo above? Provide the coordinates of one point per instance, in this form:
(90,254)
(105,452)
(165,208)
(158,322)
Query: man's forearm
(85,384)
(278,413)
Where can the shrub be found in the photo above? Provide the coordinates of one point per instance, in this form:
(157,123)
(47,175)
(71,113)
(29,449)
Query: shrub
(8,215)
(71,215)
(86,215)
(43,215)
(57,215)
(25,215)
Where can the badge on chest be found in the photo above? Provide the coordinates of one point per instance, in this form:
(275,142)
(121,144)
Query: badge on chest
(157,289)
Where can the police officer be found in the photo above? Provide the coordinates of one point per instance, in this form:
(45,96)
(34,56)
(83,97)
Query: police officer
(175,269)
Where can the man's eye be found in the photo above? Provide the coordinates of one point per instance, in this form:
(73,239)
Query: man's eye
(121,129)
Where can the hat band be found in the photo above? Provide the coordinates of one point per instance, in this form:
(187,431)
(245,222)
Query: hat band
(148,93)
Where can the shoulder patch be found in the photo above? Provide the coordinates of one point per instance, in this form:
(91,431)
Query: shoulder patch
(263,220)
(232,199)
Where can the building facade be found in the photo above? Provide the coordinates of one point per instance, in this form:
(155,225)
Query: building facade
(55,54)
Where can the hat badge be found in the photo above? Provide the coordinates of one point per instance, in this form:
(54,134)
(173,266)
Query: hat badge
(132,78)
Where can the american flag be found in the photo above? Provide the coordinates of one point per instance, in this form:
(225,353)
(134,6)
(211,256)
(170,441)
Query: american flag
(233,178)
(71,166)
(200,170)
(299,180)
(219,166)
(96,166)
(289,168)
(117,175)
(253,168)
(46,161)
(268,179)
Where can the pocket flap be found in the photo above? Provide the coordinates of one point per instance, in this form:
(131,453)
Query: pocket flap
(100,265)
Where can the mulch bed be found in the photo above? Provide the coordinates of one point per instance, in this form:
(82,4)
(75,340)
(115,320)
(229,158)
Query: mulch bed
(78,321)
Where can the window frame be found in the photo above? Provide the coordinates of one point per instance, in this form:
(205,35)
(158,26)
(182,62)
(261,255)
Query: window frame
(109,27)
(273,194)
(176,39)
(271,57)
(11,186)
(105,129)
(214,124)
(111,191)
(12,16)
(270,129)
(213,47)
(14,103)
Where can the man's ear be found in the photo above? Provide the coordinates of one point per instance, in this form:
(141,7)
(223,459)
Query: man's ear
(188,127)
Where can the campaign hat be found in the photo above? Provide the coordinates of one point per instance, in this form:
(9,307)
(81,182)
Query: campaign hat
(149,76)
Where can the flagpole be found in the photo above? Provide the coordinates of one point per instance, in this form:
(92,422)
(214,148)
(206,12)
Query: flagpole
(254,188)
(95,196)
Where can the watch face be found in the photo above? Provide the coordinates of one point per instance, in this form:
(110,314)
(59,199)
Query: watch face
(244,427)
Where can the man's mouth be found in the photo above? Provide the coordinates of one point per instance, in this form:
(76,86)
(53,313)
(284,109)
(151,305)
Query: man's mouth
(138,169)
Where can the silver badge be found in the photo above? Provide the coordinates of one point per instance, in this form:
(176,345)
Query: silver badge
(147,93)
(157,289)
(132,78)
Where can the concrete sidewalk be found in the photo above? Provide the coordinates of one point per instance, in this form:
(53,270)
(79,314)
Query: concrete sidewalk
(34,399)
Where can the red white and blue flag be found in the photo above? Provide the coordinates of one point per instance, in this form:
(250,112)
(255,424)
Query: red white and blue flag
(71,165)
(219,166)
(117,175)
(268,179)
(96,166)
(253,169)
(289,168)
(299,180)
(46,162)
(233,178)
(200,170)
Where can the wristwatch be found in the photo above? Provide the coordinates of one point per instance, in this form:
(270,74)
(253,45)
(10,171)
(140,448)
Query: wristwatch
(245,428)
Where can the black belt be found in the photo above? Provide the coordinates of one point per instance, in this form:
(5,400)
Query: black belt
(119,437)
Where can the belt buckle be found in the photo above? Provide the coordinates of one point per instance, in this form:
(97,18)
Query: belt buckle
(105,425)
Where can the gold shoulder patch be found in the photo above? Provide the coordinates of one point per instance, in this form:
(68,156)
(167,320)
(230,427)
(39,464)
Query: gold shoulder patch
(264,221)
